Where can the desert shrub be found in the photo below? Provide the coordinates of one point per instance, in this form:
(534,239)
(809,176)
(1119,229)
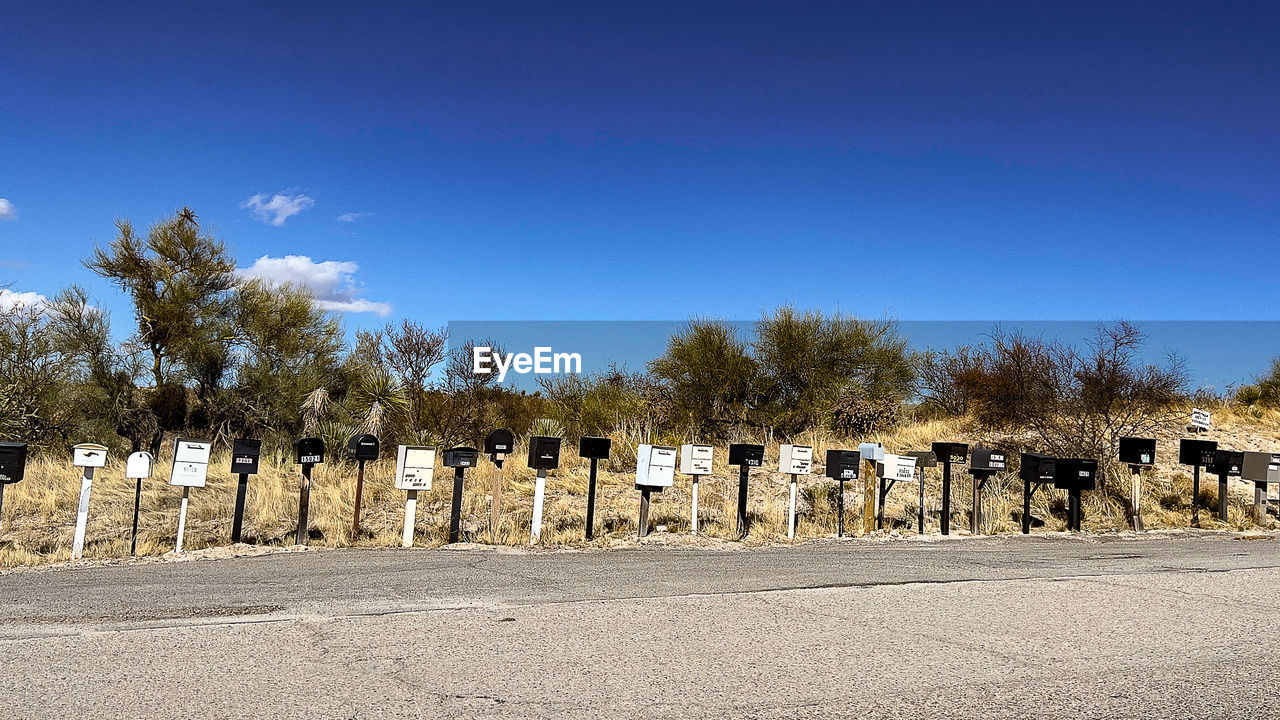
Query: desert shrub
(1264,393)
(857,416)
(710,377)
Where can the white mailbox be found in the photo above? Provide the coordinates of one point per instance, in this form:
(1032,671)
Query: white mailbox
(89,455)
(871,451)
(655,466)
(696,459)
(795,459)
(139,466)
(415,465)
(190,462)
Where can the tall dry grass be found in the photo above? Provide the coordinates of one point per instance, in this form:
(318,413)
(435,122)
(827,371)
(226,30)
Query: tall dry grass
(38,516)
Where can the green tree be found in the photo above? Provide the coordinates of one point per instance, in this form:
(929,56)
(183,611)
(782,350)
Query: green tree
(710,376)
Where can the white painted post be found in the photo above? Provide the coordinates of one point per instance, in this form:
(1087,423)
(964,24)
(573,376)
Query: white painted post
(791,521)
(82,514)
(410,517)
(694,518)
(539,490)
(182,518)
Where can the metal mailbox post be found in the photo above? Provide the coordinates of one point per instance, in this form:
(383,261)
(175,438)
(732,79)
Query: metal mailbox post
(497,445)
(310,452)
(948,453)
(459,458)
(245,454)
(842,465)
(190,469)
(1226,464)
(595,449)
(1075,475)
(695,461)
(1137,453)
(925,459)
(544,455)
(13,466)
(745,456)
(362,449)
(1198,454)
(415,465)
(138,467)
(795,460)
(1035,470)
(892,470)
(985,463)
(1261,468)
(655,470)
(872,455)
(88,457)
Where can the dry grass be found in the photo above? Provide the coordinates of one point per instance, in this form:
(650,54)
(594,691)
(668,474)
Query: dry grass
(38,517)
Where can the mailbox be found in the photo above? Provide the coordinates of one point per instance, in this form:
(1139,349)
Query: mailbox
(987,461)
(1261,467)
(696,459)
(795,459)
(746,455)
(13,462)
(1037,468)
(544,452)
(244,456)
(415,465)
(871,451)
(310,451)
(843,464)
(951,451)
(461,457)
(1197,452)
(1075,474)
(139,466)
(655,466)
(897,467)
(596,448)
(1228,462)
(1137,451)
(190,462)
(362,447)
(89,455)
(924,458)
(499,442)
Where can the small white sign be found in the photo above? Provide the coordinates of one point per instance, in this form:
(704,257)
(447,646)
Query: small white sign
(655,465)
(795,459)
(190,462)
(696,459)
(139,466)
(906,468)
(415,464)
(89,455)
(1201,419)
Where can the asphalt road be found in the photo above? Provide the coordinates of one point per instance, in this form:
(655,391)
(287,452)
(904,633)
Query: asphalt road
(1008,627)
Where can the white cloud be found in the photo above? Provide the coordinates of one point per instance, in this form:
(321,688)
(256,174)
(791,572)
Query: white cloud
(277,208)
(352,217)
(7,210)
(332,281)
(10,299)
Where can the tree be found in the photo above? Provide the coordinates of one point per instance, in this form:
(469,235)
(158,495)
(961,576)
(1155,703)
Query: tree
(179,281)
(710,375)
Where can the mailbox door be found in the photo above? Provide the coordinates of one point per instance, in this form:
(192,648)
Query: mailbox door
(363,447)
(1137,451)
(138,466)
(13,462)
(245,453)
(795,459)
(843,464)
(595,447)
(89,455)
(746,454)
(696,459)
(951,451)
(415,464)
(499,441)
(310,451)
(544,453)
(1196,452)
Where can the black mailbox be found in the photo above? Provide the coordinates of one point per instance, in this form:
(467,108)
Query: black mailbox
(1197,452)
(1137,451)
(499,442)
(460,457)
(544,452)
(987,461)
(1076,474)
(244,456)
(1037,468)
(1228,462)
(745,454)
(13,462)
(310,451)
(924,458)
(951,451)
(362,447)
(594,447)
(843,464)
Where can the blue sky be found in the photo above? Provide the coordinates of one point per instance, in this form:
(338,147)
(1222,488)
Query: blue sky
(657,161)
